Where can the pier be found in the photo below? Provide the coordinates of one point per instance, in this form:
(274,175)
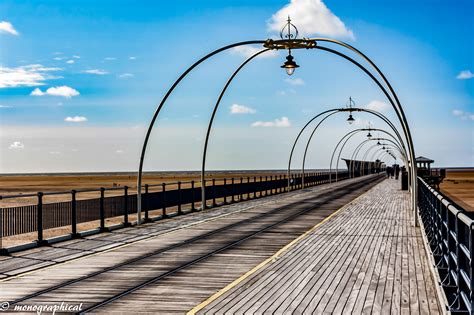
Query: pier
(339,247)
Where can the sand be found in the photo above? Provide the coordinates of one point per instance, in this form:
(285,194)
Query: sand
(459,187)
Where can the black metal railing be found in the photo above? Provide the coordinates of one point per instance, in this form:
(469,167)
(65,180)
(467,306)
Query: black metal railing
(449,230)
(168,198)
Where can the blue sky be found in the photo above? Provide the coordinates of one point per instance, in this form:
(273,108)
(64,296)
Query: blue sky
(80,80)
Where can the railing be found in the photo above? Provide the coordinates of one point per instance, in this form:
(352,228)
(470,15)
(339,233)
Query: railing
(42,216)
(450,234)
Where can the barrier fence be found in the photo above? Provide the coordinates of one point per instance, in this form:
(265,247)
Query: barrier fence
(170,198)
(450,234)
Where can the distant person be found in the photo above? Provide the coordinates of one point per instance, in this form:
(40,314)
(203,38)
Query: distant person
(397,171)
(388,171)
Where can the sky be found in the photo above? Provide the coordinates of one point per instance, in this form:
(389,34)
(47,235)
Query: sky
(80,81)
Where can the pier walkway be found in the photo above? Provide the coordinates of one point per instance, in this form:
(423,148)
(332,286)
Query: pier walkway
(366,258)
(340,247)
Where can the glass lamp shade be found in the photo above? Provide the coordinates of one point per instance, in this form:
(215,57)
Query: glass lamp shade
(290,65)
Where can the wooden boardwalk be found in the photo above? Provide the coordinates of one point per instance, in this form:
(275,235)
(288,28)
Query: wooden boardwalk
(366,259)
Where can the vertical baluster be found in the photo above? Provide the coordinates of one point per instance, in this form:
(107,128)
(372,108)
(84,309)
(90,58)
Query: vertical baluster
(163,194)
(214,192)
(73,214)
(193,208)
(147,203)
(40,219)
(233,190)
(102,210)
(125,206)
(180,211)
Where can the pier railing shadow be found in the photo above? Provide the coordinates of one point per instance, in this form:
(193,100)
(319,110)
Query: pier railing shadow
(43,222)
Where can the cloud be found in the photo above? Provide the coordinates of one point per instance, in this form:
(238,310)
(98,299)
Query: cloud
(465,74)
(70,61)
(378,106)
(241,109)
(16,145)
(110,58)
(58,58)
(248,51)
(126,75)
(95,71)
(132,58)
(29,75)
(75,119)
(7,27)
(54,152)
(282,122)
(119,151)
(311,17)
(5,106)
(64,91)
(463,115)
(295,81)
(76,56)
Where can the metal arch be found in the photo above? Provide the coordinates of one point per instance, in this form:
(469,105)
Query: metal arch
(307,144)
(334,151)
(401,117)
(209,127)
(394,146)
(160,106)
(357,150)
(342,147)
(299,135)
(298,44)
(381,116)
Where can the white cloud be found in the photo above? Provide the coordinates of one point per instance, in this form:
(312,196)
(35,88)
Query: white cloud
(58,58)
(110,58)
(132,58)
(76,56)
(119,151)
(378,106)
(241,109)
(64,91)
(279,122)
(465,74)
(126,75)
(54,152)
(248,51)
(463,115)
(70,61)
(457,112)
(95,71)
(295,81)
(5,106)
(7,27)
(311,17)
(29,75)
(75,119)
(16,145)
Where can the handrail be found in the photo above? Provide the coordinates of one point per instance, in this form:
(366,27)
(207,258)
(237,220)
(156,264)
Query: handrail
(450,234)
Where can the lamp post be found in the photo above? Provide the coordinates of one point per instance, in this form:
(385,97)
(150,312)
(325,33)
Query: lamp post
(291,44)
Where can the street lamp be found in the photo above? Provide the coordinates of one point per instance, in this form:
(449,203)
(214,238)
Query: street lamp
(351,119)
(291,33)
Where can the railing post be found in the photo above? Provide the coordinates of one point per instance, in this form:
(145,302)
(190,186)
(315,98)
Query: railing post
(40,240)
(214,192)
(225,191)
(125,206)
(471,264)
(233,191)
(180,211)
(241,185)
(163,194)
(147,203)
(73,214)
(193,208)
(102,210)
(248,190)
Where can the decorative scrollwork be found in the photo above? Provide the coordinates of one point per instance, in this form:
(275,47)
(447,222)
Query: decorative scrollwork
(289,31)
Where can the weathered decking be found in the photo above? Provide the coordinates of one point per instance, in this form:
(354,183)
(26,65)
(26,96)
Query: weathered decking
(367,258)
